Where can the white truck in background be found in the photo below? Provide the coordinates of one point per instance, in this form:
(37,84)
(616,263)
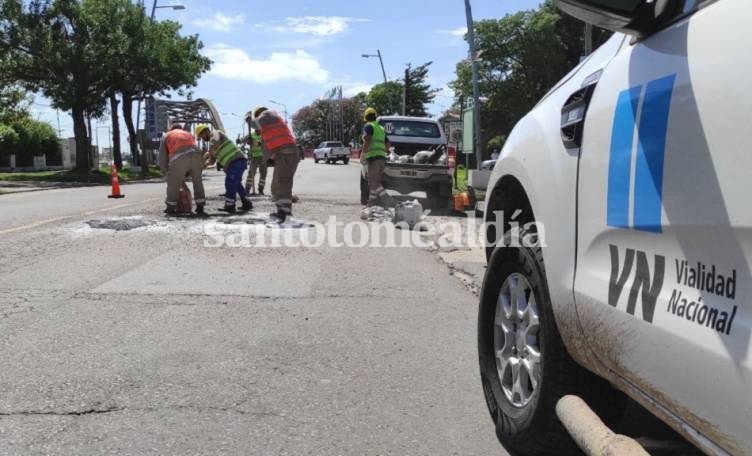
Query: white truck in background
(331,151)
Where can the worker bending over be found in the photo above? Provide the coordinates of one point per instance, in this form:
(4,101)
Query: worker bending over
(233,162)
(180,156)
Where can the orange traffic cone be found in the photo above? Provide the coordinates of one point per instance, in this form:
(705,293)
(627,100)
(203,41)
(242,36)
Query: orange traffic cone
(461,201)
(115,184)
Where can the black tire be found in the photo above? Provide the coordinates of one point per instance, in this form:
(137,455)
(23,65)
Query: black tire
(534,429)
(345,160)
(315,160)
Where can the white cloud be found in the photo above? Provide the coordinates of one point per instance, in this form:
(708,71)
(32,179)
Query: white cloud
(459,32)
(220,22)
(350,90)
(234,63)
(316,25)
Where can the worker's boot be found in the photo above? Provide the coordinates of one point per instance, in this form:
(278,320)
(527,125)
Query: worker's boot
(170,210)
(200,209)
(261,189)
(229,208)
(247,205)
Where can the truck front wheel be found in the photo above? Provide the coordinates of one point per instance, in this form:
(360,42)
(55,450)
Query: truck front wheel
(525,368)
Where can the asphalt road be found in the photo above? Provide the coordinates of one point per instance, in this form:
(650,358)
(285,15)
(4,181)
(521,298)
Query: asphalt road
(147,342)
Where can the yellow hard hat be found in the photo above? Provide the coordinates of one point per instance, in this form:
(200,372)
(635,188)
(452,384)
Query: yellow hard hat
(258,110)
(368,112)
(200,129)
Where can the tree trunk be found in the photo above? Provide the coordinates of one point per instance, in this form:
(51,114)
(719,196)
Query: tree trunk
(79,132)
(117,155)
(128,117)
(94,157)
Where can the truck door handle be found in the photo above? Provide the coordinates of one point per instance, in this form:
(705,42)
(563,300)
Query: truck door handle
(574,111)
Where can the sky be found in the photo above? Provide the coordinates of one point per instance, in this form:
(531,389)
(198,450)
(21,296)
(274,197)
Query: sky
(293,51)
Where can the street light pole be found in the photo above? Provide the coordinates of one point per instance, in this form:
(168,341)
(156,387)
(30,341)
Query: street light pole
(476,96)
(381,61)
(242,125)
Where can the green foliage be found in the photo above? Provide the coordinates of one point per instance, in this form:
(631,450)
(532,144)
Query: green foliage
(34,139)
(386,98)
(14,103)
(8,139)
(522,56)
(495,143)
(78,52)
(419,92)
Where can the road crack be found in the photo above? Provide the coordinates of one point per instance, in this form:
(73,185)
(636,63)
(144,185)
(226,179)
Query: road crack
(90,411)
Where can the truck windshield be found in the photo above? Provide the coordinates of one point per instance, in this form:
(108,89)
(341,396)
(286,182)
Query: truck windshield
(412,128)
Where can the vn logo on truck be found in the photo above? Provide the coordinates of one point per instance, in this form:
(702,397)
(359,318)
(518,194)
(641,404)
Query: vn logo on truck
(644,108)
(644,285)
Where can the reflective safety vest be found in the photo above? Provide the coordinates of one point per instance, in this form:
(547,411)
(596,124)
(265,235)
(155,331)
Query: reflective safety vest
(256,150)
(227,152)
(179,141)
(276,134)
(377,148)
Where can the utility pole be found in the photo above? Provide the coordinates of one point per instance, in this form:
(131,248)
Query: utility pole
(476,96)
(404,90)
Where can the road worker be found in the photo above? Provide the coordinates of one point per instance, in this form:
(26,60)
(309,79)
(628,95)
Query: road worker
(232,160)
(375,147)
(278,143)
(180,156)
(258,163)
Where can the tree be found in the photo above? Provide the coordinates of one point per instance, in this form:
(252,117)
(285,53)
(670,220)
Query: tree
(419,92)
(312,124)
(522,56)
(154,57)
(14,104)
(47,46)
(80,53)
(386,98)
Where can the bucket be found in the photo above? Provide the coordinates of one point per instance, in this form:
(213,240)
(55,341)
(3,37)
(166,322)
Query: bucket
(408,212)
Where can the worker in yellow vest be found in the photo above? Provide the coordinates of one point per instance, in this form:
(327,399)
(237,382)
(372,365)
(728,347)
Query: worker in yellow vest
(375,147)
(180,156)
(232,160)
(258,163)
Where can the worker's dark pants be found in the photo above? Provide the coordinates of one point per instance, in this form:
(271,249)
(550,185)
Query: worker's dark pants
(234,181)
(363,188)
(285,164)
(377,195)
(257,163)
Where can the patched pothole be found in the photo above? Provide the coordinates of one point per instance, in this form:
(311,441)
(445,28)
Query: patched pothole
(120,224)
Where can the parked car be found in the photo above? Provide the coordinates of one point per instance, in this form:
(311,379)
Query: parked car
(632,176)
(417,160)
(331,151)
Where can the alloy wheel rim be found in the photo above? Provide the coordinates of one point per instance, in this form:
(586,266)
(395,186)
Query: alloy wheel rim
(517,340)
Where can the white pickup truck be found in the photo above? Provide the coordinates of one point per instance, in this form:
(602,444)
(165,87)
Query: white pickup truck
(619,234)
(331,151)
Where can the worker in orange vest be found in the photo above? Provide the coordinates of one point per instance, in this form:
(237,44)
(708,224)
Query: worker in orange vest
(180,156)
(278,144)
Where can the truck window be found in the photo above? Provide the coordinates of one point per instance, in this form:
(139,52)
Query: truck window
(412,128)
